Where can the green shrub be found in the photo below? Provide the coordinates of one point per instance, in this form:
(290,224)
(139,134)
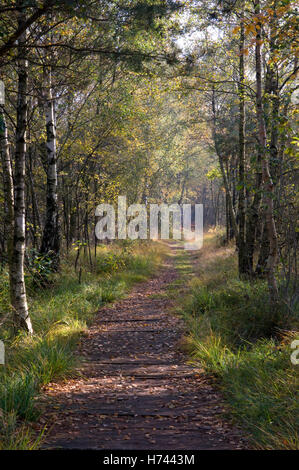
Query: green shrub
(112,262)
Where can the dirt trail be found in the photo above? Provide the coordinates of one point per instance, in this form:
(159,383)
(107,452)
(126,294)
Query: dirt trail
(136,391)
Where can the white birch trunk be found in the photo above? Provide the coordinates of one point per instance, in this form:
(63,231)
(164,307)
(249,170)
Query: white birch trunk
(18,290)
(8,185)
(50,241)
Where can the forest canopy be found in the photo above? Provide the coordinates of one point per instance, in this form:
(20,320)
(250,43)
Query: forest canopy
(162,101)
(149,102)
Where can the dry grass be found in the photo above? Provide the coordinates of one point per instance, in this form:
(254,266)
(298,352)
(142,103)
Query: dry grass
(235,335)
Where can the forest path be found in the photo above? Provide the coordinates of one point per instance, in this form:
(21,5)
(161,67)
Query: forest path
(136,390)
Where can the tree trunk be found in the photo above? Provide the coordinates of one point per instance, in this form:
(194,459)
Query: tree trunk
(8,187)
(18,289)
(268,187)
(51,238)
(261,265)
(242,183)
(252,222)
(230,206)
(35,211)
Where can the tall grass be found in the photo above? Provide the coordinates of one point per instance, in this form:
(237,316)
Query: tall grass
(235,334)
(60,313)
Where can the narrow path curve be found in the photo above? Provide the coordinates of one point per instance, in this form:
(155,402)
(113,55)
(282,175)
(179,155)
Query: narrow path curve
(136,390)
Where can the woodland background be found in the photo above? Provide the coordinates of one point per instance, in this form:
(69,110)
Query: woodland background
(162,101)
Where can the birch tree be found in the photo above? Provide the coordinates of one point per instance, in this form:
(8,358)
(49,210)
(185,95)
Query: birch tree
(17,282)
(7,185)
(51,240)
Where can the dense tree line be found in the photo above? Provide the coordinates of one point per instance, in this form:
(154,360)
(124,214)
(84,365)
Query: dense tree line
(102,99)
(246,68)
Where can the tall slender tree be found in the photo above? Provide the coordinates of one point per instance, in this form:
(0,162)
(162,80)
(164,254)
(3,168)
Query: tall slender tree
(17,282)
(242,255)
(51,235)
(268,186)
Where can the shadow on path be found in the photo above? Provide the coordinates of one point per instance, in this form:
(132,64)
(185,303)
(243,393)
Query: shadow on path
(136,390)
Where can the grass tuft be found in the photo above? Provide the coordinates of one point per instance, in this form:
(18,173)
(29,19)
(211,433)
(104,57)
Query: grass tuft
(235,334)
(60,314)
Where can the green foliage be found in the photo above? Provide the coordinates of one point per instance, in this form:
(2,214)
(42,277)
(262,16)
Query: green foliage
(17,393)
(236,335)
(112,262)
(214,173)
(59,316)
(262,388)
(239,310)
(46,359)
(40,267)
(4,293)
(14,436)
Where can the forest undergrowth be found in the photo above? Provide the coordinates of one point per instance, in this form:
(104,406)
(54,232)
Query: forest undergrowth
(239,338)
(61,311)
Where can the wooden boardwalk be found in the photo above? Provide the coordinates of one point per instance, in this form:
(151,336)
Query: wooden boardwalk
(136,390)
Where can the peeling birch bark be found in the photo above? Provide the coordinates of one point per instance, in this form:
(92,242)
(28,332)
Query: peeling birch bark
(18,289)
(51,239)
